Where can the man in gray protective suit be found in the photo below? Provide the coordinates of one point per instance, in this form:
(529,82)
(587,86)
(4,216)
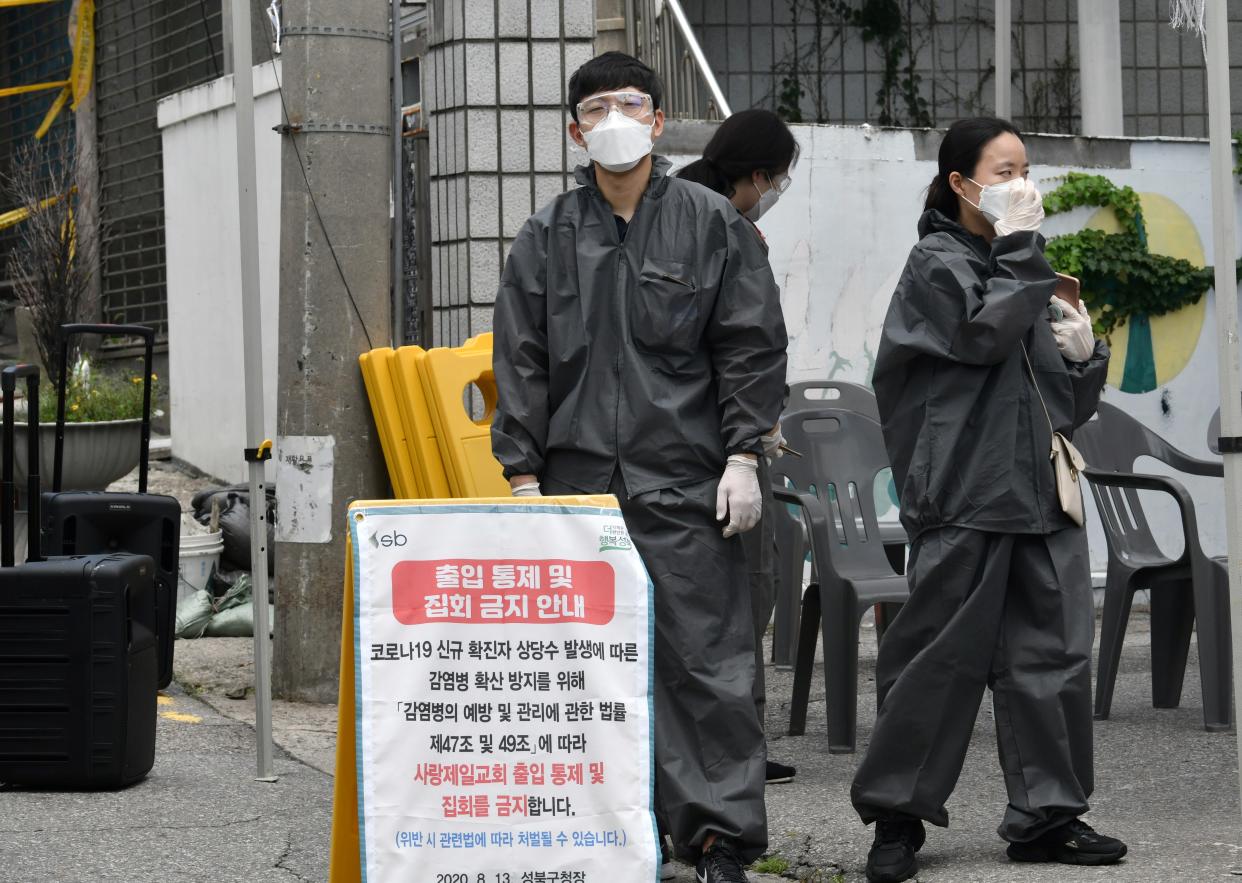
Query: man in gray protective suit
(640,351)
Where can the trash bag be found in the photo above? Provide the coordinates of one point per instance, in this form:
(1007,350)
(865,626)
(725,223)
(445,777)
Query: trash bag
(222,581)
(228,615)
(236,622)
(193,613)
(235,523)
(235,595)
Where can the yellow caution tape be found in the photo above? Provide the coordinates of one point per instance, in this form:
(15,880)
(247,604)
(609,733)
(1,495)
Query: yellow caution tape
(52,112)
(4,3)
(83,52)
(81,73)
(6,91)
(16,216)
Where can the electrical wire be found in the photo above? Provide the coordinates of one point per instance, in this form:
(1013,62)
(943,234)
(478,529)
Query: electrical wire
(211,48)
(323,228)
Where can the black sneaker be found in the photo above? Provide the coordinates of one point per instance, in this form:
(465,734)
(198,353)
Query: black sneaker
(892,856)
(720,864)
(1074,843)
(780,773)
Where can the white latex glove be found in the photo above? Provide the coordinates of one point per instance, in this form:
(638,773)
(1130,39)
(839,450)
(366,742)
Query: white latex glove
(1025,212)
(772,444)
(738,495)
(1075,339)
(530,489)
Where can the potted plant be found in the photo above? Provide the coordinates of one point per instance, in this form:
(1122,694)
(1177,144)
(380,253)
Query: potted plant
(53,267)
(103,426)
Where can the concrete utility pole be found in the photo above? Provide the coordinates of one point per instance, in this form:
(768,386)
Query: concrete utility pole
(86,140)
(336,68)
(1004,59)
(1099,65)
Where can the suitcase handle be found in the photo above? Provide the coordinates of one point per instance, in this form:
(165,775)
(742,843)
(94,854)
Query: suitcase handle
(73,330)
(8,513)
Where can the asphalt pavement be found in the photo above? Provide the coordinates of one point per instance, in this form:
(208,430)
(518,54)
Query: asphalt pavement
(199,816)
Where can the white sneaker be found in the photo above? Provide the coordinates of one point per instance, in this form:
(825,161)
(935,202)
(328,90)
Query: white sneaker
(668,871)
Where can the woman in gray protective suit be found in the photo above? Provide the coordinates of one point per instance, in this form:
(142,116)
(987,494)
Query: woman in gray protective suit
(749,160)
(985,350)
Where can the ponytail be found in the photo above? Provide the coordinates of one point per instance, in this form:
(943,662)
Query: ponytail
(704,171)
(940,196)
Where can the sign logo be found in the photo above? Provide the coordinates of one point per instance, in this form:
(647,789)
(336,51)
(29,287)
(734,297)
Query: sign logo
(615,539)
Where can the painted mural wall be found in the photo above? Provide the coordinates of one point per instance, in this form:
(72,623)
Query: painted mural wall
(840,236)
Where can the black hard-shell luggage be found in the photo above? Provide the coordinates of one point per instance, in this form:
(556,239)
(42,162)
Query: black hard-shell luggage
(94,522)
(77,647)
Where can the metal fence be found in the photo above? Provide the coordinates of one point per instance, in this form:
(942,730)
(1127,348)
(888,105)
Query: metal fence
(146,50)
(657,39)
(928,62)
(34,48)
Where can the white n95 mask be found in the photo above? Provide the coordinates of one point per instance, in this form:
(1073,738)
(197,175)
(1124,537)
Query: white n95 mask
(618,143)
(767,199)
(994,199)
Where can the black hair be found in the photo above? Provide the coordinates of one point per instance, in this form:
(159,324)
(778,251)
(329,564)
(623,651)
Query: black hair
(613,70)
(959,152)
(747,142)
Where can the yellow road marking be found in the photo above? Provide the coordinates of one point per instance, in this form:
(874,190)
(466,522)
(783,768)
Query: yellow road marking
(181,717)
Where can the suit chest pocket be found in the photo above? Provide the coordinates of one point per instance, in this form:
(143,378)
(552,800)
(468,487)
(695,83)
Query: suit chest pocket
(664,309)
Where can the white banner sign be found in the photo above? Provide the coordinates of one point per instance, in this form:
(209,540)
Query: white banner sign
(503,655)
(304,465)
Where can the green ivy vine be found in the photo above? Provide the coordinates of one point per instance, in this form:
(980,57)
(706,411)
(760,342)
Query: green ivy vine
(1121,279)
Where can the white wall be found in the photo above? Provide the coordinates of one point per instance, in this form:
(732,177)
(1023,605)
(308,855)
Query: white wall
(840,236)
(206,380)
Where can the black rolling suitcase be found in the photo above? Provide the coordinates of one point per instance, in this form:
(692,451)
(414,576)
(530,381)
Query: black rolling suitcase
(90,522)
(78,664)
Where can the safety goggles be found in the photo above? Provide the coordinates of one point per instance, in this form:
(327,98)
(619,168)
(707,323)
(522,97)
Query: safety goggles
(594,110)
(780,183)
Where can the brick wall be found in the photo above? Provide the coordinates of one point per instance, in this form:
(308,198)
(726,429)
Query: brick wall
(495,83)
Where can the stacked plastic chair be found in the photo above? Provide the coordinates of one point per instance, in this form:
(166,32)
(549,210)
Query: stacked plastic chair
(422,401)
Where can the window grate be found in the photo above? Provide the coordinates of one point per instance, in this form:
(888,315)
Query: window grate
(808,59)
(34,48)
(146,50)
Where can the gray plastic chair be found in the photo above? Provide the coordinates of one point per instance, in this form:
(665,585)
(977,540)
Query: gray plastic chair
(813,395)
(832,484)
(790,533)
(1188,593)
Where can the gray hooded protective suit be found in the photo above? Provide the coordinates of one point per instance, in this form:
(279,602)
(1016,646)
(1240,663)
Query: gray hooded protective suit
(634,366)
(999,578)
(663,353)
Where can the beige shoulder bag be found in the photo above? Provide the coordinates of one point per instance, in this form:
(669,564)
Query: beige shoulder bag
(1067,463)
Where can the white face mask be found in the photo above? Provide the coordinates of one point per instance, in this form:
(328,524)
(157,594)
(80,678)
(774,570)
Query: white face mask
(994,198)
(767,199)
(618,143)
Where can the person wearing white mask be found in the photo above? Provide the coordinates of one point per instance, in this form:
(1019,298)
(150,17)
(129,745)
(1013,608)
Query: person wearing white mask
(639,350)
(985,353)
(749,160)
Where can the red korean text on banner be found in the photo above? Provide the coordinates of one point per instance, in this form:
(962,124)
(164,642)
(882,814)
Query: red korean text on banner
(481,591)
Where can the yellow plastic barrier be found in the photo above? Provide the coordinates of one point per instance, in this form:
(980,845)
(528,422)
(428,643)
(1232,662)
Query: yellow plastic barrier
(378,367)
(465,443)
(420,426)
(344,865)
